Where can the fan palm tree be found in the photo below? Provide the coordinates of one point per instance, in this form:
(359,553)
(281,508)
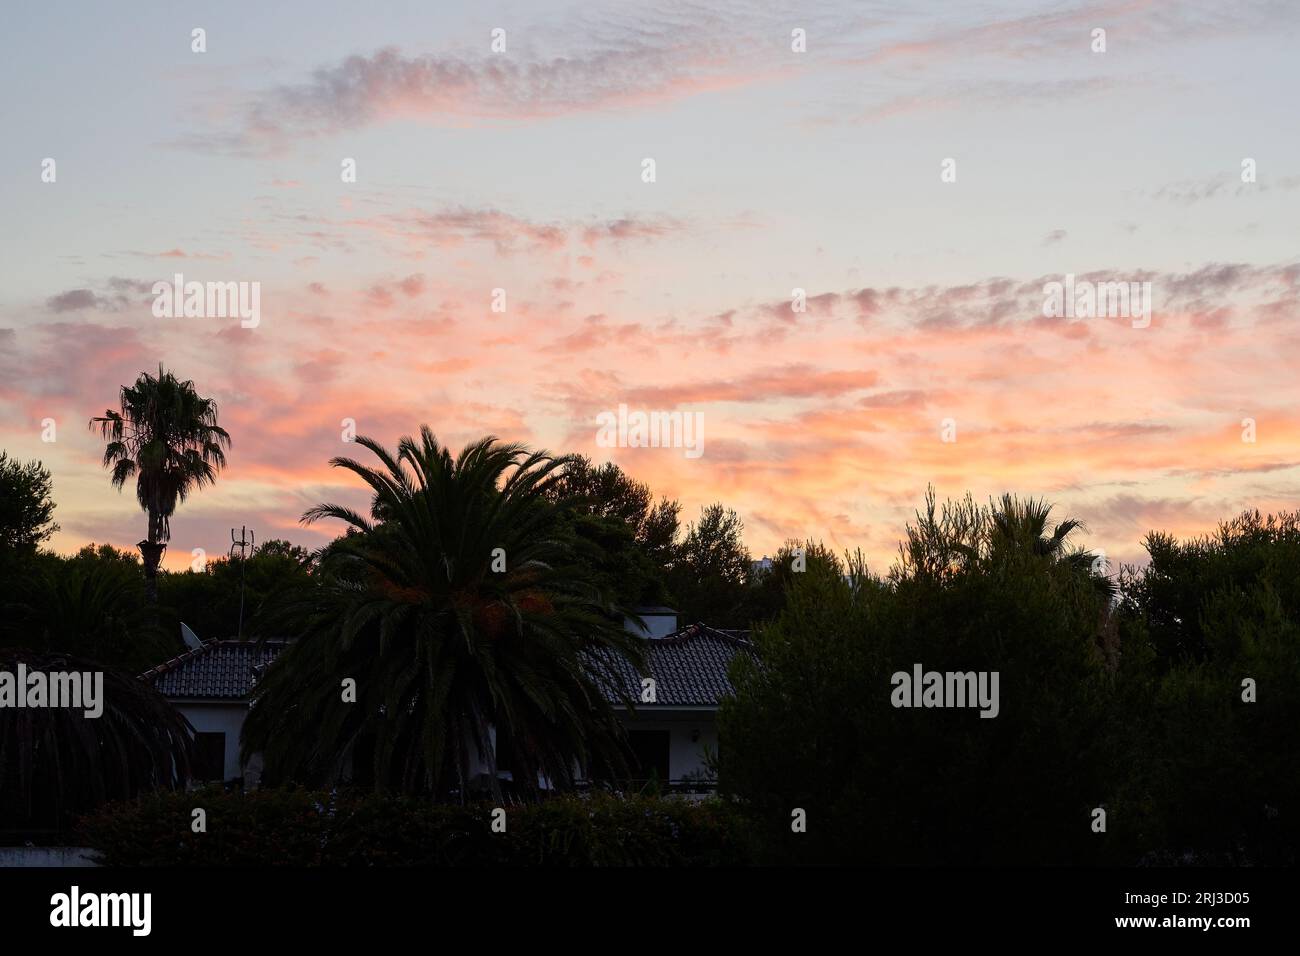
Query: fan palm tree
(1025,525)
(56,763)
(166,436)
(476,641)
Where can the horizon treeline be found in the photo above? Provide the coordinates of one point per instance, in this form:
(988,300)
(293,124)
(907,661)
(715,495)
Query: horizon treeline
(1152,720)
(1147,716)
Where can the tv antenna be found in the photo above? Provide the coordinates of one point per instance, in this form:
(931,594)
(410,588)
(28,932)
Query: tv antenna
(244,543)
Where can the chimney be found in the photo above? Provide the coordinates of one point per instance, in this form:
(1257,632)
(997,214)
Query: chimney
(651,622)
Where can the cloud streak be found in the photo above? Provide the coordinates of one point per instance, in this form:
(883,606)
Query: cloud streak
(387,85)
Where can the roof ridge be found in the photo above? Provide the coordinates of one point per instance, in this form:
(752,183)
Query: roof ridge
(204,646)
(217,669)
(177,661)
(698,629)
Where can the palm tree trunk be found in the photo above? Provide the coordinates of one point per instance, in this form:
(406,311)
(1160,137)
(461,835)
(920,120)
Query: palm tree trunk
(152,553)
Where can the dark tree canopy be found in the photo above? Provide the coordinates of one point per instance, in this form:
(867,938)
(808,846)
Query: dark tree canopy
(56,763)
(769,586)
(207,600)
(471,629)
(710,570)
(26,505)
(1174,708)
(623,536)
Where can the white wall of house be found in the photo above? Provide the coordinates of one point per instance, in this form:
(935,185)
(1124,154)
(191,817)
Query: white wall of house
(685,755)
(220,717)
(691,732)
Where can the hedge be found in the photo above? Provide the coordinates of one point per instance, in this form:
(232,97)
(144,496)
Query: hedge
(302,828)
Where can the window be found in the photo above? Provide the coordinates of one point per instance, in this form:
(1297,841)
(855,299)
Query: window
(209,756)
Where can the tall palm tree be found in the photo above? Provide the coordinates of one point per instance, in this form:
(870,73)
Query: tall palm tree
(476,639)
(166,436)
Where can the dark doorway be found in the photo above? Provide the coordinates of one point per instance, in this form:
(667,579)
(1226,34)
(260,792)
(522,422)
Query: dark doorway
(649,754)
(209,756)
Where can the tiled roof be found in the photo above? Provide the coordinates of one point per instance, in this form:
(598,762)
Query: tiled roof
(219,670)
(689,667)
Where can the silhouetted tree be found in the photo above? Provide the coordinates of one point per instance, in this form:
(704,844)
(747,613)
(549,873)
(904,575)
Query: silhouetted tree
(165,436)
(472,632)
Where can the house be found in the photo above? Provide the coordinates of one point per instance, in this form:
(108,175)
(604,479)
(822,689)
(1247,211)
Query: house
(670,735)
(210,685)
(674,724)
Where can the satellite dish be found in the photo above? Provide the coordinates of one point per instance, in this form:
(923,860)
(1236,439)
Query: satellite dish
(190,638)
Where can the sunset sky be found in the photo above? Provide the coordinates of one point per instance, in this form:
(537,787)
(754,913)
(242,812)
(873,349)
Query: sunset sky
(775,170)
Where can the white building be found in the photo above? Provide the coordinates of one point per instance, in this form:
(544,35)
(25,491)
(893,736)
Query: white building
(670,735)
(210,686)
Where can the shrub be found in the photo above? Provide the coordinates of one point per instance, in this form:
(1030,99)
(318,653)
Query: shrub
(310,828)
(812,726)
(1135,706)
(1212,778)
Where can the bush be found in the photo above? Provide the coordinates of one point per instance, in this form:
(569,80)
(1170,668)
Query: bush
(1135,706)
(813,726)
(306,828)
(1213,778)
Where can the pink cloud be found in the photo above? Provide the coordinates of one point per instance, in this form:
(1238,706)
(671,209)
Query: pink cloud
(834,436)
